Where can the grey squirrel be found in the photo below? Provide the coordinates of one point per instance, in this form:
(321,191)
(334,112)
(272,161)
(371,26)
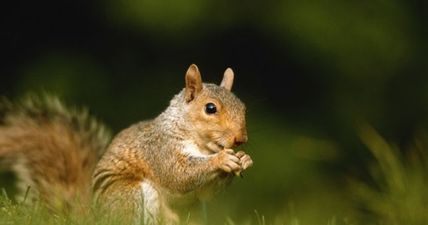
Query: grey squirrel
(184,154)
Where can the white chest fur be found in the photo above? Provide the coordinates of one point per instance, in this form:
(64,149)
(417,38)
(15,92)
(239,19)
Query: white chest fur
(191,149)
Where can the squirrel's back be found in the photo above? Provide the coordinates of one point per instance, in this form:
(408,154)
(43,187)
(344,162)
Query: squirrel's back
(52,149)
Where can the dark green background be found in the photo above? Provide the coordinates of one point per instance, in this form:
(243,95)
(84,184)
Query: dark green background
(309,72)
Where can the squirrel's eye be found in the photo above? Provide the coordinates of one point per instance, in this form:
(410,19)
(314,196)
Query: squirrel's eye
(210,108)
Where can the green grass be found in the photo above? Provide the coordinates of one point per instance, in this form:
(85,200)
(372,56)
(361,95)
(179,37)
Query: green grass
(398,194)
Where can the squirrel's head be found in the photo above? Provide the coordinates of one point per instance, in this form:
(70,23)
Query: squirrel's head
(216,115)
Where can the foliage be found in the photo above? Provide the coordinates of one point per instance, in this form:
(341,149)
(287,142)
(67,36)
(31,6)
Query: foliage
(397,195)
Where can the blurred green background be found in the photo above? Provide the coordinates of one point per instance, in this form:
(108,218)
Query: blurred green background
(310,72)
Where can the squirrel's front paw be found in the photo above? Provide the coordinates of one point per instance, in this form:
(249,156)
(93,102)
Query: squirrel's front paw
(228,161)
(244,159)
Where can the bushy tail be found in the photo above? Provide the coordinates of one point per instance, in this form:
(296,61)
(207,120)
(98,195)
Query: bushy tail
(52,149)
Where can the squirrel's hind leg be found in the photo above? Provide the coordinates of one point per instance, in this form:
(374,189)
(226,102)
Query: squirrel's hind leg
(155,209)
(151,203)
(132,201)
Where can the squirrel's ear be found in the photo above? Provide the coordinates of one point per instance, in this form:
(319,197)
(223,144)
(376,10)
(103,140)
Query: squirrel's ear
(193,82)
(227,81)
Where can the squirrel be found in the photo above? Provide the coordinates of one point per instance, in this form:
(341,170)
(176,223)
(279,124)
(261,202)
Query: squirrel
(148,171)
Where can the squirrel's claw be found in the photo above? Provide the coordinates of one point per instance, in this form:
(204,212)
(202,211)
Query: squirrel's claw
(228,162)
(240,154)
(245,161)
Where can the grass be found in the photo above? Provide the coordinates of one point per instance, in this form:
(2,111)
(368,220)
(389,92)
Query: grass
(398,194)
(393,194)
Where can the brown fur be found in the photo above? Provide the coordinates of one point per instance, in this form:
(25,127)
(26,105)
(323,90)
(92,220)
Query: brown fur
(154,152)
(148,172)
(51,148)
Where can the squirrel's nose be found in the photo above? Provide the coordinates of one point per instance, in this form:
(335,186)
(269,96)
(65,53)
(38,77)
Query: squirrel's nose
(241,139)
